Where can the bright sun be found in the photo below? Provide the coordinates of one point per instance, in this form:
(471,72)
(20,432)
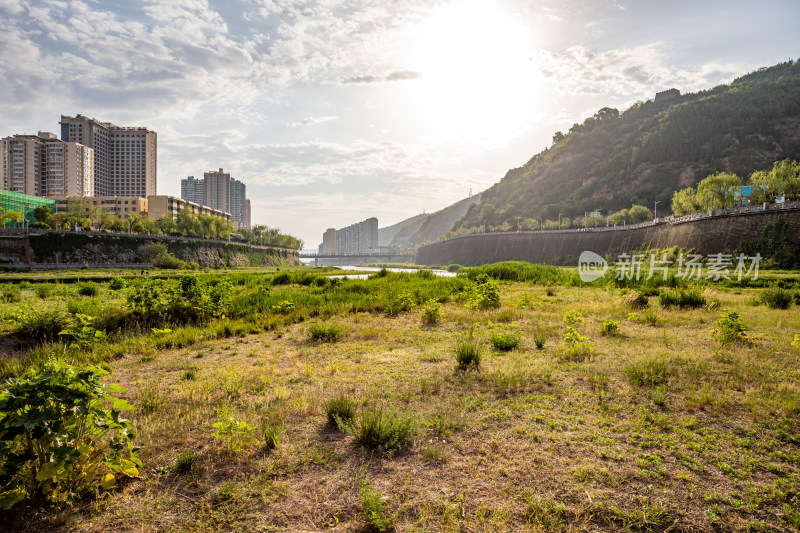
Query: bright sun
(479,80)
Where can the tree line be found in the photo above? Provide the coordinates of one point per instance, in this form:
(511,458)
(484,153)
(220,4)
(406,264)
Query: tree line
(80,214)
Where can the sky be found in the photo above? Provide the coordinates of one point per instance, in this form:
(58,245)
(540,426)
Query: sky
(334,111)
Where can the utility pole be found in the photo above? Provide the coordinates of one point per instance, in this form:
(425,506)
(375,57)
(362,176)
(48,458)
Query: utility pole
(655,211)
(559,221)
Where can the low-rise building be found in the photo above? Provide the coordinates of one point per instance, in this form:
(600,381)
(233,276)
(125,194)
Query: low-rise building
(161,205)
(121,206)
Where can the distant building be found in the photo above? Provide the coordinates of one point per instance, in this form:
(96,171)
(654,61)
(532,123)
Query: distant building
(357,238)
(161,205)
(328,245)
(24,203)
(42,165)
(669,94)
(125,157)
(247,214)
(121,206)
(193,190)
(218,190)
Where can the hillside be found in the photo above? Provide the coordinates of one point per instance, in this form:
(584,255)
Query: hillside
(411,232)
(645,153)
(404,227)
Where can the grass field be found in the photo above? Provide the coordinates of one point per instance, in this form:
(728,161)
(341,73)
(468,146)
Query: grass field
(630,416)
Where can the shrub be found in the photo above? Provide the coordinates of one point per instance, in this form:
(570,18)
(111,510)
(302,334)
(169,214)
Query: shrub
(373,510)
(609,328)
(283,307)
(573,317)
(88,289)
(576,347)
(116,284)
(340,411)
(775,298)
(485,294)
(468,352)
(383,430)
(649,372)
(504,338)
(682,298)
(432,312)
(650,317)
(57,440)
(730,329)
(399,303)
(83,335)
(539,339)
(44,291)
(43,324)
(325,332)
(11,294)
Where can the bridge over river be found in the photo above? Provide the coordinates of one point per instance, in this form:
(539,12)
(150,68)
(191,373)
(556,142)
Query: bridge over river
(355,259)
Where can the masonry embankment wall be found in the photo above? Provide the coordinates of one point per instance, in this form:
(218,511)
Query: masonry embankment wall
(56,248)
(718,234)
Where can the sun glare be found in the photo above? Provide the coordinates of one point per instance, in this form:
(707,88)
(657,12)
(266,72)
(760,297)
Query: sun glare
(479,80)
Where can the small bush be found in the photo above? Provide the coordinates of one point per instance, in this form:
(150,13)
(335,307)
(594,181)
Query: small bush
(44,291)
(383,430)
(504,338)
(432,312)
(775,298)
(485,294)
(57,441)
(730,329)
(650,318)
(609,328)
(683,298)
(576,348)
(234,433)
(325,332)
(373,510)
(88,289)
(11,294)
(468,352)
(116,284)
(340,411)
(649,372)
(573,317)
(43,324)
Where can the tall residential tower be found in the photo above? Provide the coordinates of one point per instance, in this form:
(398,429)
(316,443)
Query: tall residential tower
(125,157)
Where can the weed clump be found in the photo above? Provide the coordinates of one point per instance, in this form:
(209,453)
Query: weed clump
(88,289)
(468,352)
(610,328)
(42,324)
(340,411)
(576,347)
(383,430)
(730,328)
(775,298)
(373,509)
(325,332)
(683,298)
(636,300)
(504,338)
(432,312)
(649,372)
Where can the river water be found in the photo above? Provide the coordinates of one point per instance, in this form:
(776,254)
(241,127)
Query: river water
(369,270)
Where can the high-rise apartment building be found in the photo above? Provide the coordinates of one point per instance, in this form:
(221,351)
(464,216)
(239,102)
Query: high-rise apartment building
(43,165)
(193,190)
(356,238)
(219,191)
(125,157)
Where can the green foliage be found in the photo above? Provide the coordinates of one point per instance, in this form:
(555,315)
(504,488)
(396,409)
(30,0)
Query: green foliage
(650,317)
(636,300)
(609,328)
(373,509)
(186,462)
(573,317)
(83,335)
(485,294)
(545,514)
(468,352)
(322,332)
(340,411)
(57,438)
(683,298)
(522,271)
(432,312)
(235,434)
(400,303)
(271,431)
(730,328)
(649,372)
(576,347)
(284,307)
(504,337)
(40,324)
(116,284)
(383,430)
(775,298)
(539,339)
